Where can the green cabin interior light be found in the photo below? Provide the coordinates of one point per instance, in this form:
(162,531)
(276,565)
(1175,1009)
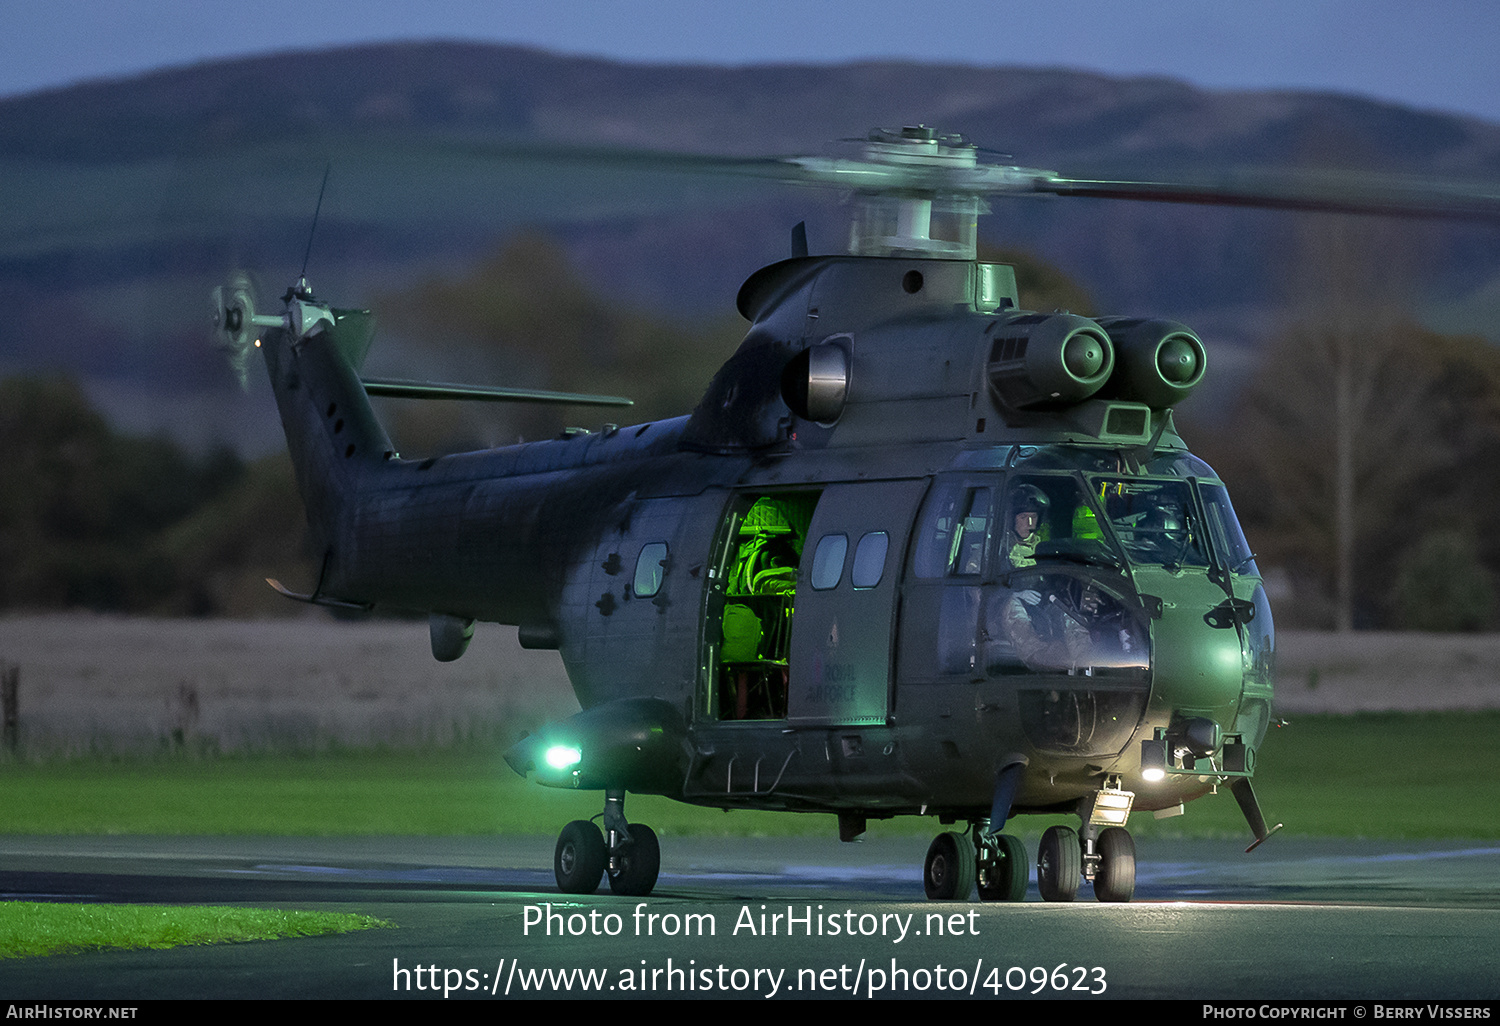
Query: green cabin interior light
(561,757)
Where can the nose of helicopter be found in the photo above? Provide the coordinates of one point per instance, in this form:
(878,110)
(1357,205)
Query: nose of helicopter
(1198,668)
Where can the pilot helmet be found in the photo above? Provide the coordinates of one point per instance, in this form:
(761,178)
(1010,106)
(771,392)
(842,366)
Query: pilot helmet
(1170,520)
(1028,498)
(1173,526)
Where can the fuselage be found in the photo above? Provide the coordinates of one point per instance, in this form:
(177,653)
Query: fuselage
(821,580)
(901,690)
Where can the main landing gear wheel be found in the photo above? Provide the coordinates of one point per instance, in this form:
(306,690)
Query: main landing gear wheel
(1115,880)
(580,858)
(1003,870)
(637,864)
(1059,864)
(948,873)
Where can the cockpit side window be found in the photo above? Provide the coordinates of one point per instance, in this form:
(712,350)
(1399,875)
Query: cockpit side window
(954,531)
(1224,528)
(1061,621)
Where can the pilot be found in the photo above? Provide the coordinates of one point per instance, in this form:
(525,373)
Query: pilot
(1053,631)
(1041,631)
(1165,532)
(1028,505)
(1109,629)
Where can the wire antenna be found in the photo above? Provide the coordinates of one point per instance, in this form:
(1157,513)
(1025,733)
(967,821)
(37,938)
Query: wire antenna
(307,254)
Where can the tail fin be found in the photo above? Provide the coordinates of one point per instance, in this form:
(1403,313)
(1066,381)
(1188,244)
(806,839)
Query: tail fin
(312,353)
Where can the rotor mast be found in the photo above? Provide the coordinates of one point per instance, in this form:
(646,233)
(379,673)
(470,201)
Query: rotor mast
(920,222)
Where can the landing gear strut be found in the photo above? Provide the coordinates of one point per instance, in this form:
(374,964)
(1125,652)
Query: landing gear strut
(1002,867)
(629,853)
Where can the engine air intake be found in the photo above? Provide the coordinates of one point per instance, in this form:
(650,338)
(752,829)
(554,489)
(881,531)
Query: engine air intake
(1160,362)
(1049,360)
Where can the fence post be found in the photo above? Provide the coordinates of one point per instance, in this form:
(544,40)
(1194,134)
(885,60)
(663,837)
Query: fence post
(10,685)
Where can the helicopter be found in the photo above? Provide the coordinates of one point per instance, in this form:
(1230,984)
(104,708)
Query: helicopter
(917,551)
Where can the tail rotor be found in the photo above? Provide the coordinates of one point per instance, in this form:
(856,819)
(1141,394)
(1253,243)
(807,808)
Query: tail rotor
(236,324)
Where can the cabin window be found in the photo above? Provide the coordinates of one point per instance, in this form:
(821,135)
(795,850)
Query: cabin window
(650,567)
(828,561)
(869,559)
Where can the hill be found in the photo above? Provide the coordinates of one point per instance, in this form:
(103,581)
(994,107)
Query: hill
(127,200)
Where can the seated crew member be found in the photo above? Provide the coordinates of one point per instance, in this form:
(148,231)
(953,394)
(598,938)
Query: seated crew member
(1036,630)
(1111,635)
(1041,630)
(1166,532)
(1028,504)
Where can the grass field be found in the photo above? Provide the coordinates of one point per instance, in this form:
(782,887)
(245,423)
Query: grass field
(1392,775)
(1386,775)
(50,928)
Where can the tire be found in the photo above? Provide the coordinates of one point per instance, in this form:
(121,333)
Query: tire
(1005,878)
(580,857)
(1115,880)
(948,873)
(1059,864)
(639,861)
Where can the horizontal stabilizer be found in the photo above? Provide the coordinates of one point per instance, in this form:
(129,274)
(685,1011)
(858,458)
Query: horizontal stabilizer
(393,388)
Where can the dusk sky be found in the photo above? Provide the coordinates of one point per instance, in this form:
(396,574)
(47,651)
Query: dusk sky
(1442,54)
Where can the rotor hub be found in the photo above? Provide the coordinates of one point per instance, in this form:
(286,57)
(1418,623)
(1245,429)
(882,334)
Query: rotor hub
(918,145)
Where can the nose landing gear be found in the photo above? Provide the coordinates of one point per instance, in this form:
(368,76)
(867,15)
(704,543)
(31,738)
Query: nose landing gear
(630,854)
(1104,857)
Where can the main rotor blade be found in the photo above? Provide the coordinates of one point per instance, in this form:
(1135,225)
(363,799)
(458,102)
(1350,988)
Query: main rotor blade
(1347,194)
(398,389)
(839,173)
(1334,192)
(618,158)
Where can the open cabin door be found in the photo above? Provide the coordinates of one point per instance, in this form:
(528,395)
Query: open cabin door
(749,605)
(844,627)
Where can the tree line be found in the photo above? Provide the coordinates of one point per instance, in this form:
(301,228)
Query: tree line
(1362,454)
(96,519)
